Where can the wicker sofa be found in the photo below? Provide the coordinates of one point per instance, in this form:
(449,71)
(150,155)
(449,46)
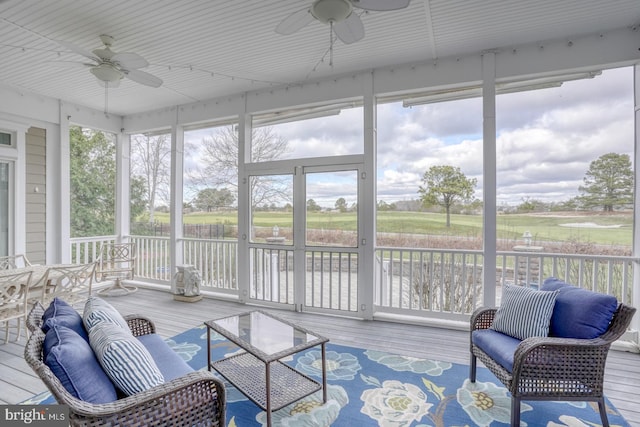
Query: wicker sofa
(568,363)
(192,398)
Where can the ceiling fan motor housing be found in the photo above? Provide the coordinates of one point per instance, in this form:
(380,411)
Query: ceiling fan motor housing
(327,11)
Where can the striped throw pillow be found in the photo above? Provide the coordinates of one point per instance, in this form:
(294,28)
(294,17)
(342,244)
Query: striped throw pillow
(97,310)
(124,359)
(524,312)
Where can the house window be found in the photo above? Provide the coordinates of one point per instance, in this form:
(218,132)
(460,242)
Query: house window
(5,138)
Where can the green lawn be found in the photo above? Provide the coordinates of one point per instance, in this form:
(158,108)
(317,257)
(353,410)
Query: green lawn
(542,227)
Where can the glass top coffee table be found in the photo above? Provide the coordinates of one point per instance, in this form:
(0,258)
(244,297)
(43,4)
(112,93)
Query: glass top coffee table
(258,372)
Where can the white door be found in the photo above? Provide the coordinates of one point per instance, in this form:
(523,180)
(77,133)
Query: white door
(304,237)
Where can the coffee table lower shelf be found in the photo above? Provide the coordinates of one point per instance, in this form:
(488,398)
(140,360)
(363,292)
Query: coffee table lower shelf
(248,374)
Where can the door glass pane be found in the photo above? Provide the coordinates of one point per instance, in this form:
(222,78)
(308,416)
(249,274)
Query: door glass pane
(272,209)
(332,209)
(4,209)
(5,138)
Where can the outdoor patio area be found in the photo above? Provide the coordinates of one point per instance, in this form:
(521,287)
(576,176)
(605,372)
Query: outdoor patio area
(18,382)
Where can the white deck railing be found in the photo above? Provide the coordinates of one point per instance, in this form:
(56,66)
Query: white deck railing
(448,283)
(443,283)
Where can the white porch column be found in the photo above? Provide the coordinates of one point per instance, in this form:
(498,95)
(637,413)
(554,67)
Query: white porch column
(64,186)
(635,323)
(123,163)
(489,177)
(367,202)
(177,172)
(244,225)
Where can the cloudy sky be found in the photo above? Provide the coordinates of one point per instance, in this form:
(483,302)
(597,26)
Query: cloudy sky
(546,140)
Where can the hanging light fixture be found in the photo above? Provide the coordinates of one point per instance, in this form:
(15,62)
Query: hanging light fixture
(107,73)
(327,11)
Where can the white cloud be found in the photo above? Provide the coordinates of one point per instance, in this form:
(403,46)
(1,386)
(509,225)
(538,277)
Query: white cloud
(545,143)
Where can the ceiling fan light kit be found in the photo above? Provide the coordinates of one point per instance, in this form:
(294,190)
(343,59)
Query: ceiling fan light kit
(327,11)
(107,73)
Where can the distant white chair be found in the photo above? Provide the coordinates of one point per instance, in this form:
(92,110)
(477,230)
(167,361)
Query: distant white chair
(14,290)
(12,262)
(70,283)
(116,263)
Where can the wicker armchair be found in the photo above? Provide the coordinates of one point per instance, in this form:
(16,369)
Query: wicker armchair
(547,368)
(197,398)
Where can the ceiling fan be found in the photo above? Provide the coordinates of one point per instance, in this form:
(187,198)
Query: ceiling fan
(340,16)
(110,67)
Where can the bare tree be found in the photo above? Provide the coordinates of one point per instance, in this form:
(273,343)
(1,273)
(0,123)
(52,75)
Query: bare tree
(150,158)
(219,153)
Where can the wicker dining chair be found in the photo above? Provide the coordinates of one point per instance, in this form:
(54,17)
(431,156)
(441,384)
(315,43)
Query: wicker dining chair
(14,292)
(552,368)
(195,399)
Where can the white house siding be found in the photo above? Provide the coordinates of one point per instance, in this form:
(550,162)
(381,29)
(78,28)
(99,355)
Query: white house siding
(36,195)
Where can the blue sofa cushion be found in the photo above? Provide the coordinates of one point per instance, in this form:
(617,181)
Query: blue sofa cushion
(498,346)
(97,310)
(61,313)
(524,312)
(124,359)
(72,360)
(579,313)
(170,364)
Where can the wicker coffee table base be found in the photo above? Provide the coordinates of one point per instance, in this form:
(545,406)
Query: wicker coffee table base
(248,374)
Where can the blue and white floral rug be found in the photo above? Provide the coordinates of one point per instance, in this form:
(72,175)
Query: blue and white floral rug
(369,388)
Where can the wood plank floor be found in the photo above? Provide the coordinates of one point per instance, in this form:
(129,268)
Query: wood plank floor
(18,382)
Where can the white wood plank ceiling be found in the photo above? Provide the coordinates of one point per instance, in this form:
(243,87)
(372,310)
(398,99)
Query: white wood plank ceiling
(204,49)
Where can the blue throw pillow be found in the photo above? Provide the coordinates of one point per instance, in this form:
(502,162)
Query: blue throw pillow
(524,312)
(72,360)
(579,313)
(124,359)
(61,313)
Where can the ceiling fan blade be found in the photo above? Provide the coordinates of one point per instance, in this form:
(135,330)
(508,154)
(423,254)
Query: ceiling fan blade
(294,22)
(78,50)
(70,64)
(143,78)
(350,30)
(129,60)
(380,5)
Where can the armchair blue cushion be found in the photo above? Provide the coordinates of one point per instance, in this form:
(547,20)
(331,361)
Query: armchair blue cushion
(498,346)
(579,313)
(170,364)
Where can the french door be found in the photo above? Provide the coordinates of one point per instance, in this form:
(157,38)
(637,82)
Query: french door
(304,244)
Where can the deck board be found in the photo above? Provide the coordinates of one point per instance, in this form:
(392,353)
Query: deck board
(18,382)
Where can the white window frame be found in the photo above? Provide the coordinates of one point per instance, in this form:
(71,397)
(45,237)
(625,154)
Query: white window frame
(15,155)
